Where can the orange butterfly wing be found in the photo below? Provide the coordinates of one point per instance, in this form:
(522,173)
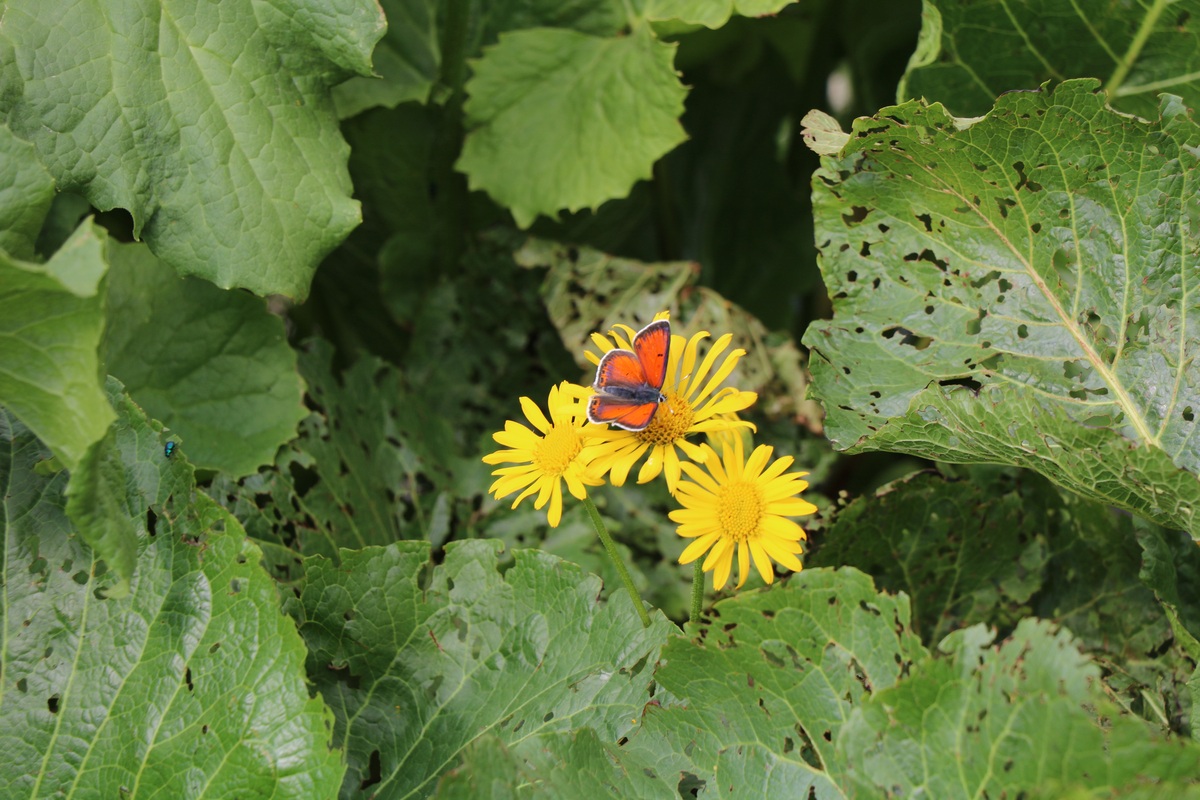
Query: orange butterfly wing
(619,368)
(651,345)
(622,413)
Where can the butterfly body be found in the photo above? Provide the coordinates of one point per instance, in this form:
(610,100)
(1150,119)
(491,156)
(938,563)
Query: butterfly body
(629,382)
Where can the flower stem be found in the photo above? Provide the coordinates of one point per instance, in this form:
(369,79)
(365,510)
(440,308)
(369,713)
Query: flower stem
(697,591)
(611,547)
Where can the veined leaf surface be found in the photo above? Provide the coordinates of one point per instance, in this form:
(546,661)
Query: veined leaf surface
(1019,289)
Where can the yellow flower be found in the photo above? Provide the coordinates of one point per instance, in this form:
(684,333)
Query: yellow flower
(693,404)
(741,505)
(554,452)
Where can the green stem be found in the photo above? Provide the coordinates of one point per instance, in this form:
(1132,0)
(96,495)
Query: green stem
(697,591)
(611,547)
(1125,63)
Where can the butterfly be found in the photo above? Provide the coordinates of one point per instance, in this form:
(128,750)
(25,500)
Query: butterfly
(629,382)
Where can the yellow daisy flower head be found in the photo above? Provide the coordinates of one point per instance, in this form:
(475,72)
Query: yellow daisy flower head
(552,451)
(693,402)
(741,505)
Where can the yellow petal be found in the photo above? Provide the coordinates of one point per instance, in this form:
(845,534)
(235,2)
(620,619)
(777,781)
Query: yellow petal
(710,357)
(743,553)
(722,372)
(652,466)
(535,415)
(545,489)
(508,457)
(777,468)
(790,508)
(575,484)
(530,489)
(697,548)
(687,367)
(670,466)
(554,516)
(622,465)
(780,528)
(762,562)
(758,459)
(727,401)
(721,571)
(781,555)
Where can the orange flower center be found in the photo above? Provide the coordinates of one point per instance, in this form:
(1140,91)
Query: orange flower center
(557,449)
(671,421)
(739,509)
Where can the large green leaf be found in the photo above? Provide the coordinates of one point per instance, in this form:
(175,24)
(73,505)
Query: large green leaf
(710,13)
(1005,544)
(996,722)
(818,688)
(406,60)
(51,319)
(1018,289)
(192,686)
(555,765)
(212,124)
(972,51)
(417,669)
(213,365)
(26,191)
(563,119)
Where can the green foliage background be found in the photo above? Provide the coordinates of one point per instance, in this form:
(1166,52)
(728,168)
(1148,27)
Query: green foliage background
(323,247)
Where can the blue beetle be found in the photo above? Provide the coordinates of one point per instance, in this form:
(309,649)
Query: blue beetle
(168,449)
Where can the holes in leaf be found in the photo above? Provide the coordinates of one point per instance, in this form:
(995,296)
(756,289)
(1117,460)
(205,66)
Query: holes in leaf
(851,276)
(80,577)
(1074,370)
(549,716)
(39,564)
(927,255)
(22,686)
(1005,285)
(865,250)
(857,215)
(883,228)
(927,221)
(968,383)
(1036,227)
(151,522)
(1023,331)
(1188,415)
(303,478)
(214,648)
(52,704)
(374,772)
(187,678)
(1023,181)
(1003,204)
(986,279)
(976,325)
(235,586)
(928,309)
